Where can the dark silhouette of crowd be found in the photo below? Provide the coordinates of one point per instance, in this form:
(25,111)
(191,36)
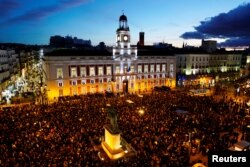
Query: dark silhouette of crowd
(69,131)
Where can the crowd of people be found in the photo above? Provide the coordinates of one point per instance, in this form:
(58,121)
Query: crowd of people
(67,132)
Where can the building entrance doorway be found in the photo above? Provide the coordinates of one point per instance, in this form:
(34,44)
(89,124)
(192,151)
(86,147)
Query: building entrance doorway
(125,86)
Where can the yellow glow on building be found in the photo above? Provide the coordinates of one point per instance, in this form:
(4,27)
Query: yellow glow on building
(54,91)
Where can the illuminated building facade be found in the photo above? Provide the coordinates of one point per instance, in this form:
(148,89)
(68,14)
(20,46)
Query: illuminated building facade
(125,69)
(207,68)
(8,68)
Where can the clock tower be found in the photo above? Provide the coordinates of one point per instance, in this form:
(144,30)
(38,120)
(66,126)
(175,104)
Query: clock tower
(122,33)
(123,49)
(124,57)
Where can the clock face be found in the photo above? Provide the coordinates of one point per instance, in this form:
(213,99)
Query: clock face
(125,37)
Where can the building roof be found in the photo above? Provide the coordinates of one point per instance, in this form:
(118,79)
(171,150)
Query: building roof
(152,51)
(123,18)
(79,52)
(196,50)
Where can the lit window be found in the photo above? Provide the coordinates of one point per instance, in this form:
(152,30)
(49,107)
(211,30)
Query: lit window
(158,68)
(171,70)
(92,71)
(100,70)
(125,69)
(117,69)
(145,68)
(163,67)
(132,69)
(59,73)
(152,68)
(73,72)
(108,70)
(83,71)
(139,69)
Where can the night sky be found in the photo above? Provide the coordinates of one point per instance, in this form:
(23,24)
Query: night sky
(171,21)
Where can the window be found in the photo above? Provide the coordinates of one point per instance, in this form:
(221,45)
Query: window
(83,81)
(74,83)
(109,79)
(83,71)
(139,69)
(92,81)
(100,70)
(108,70)
(132,69)
(73,72)
(152,68)
(117,69)
(125,69)
(171,70)
(158,68)
(60,83)
(101,81)
(163,67)
(59,73)
(145,68)
(92,71)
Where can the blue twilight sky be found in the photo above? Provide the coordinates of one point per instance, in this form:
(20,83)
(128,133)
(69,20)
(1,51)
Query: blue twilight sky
(171,21)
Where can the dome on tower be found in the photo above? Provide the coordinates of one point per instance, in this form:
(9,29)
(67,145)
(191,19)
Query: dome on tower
(123,18)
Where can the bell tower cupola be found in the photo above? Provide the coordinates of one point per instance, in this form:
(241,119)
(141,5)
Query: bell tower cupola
(123,23)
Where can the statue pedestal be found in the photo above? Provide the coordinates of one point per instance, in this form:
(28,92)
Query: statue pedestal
(112,144)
